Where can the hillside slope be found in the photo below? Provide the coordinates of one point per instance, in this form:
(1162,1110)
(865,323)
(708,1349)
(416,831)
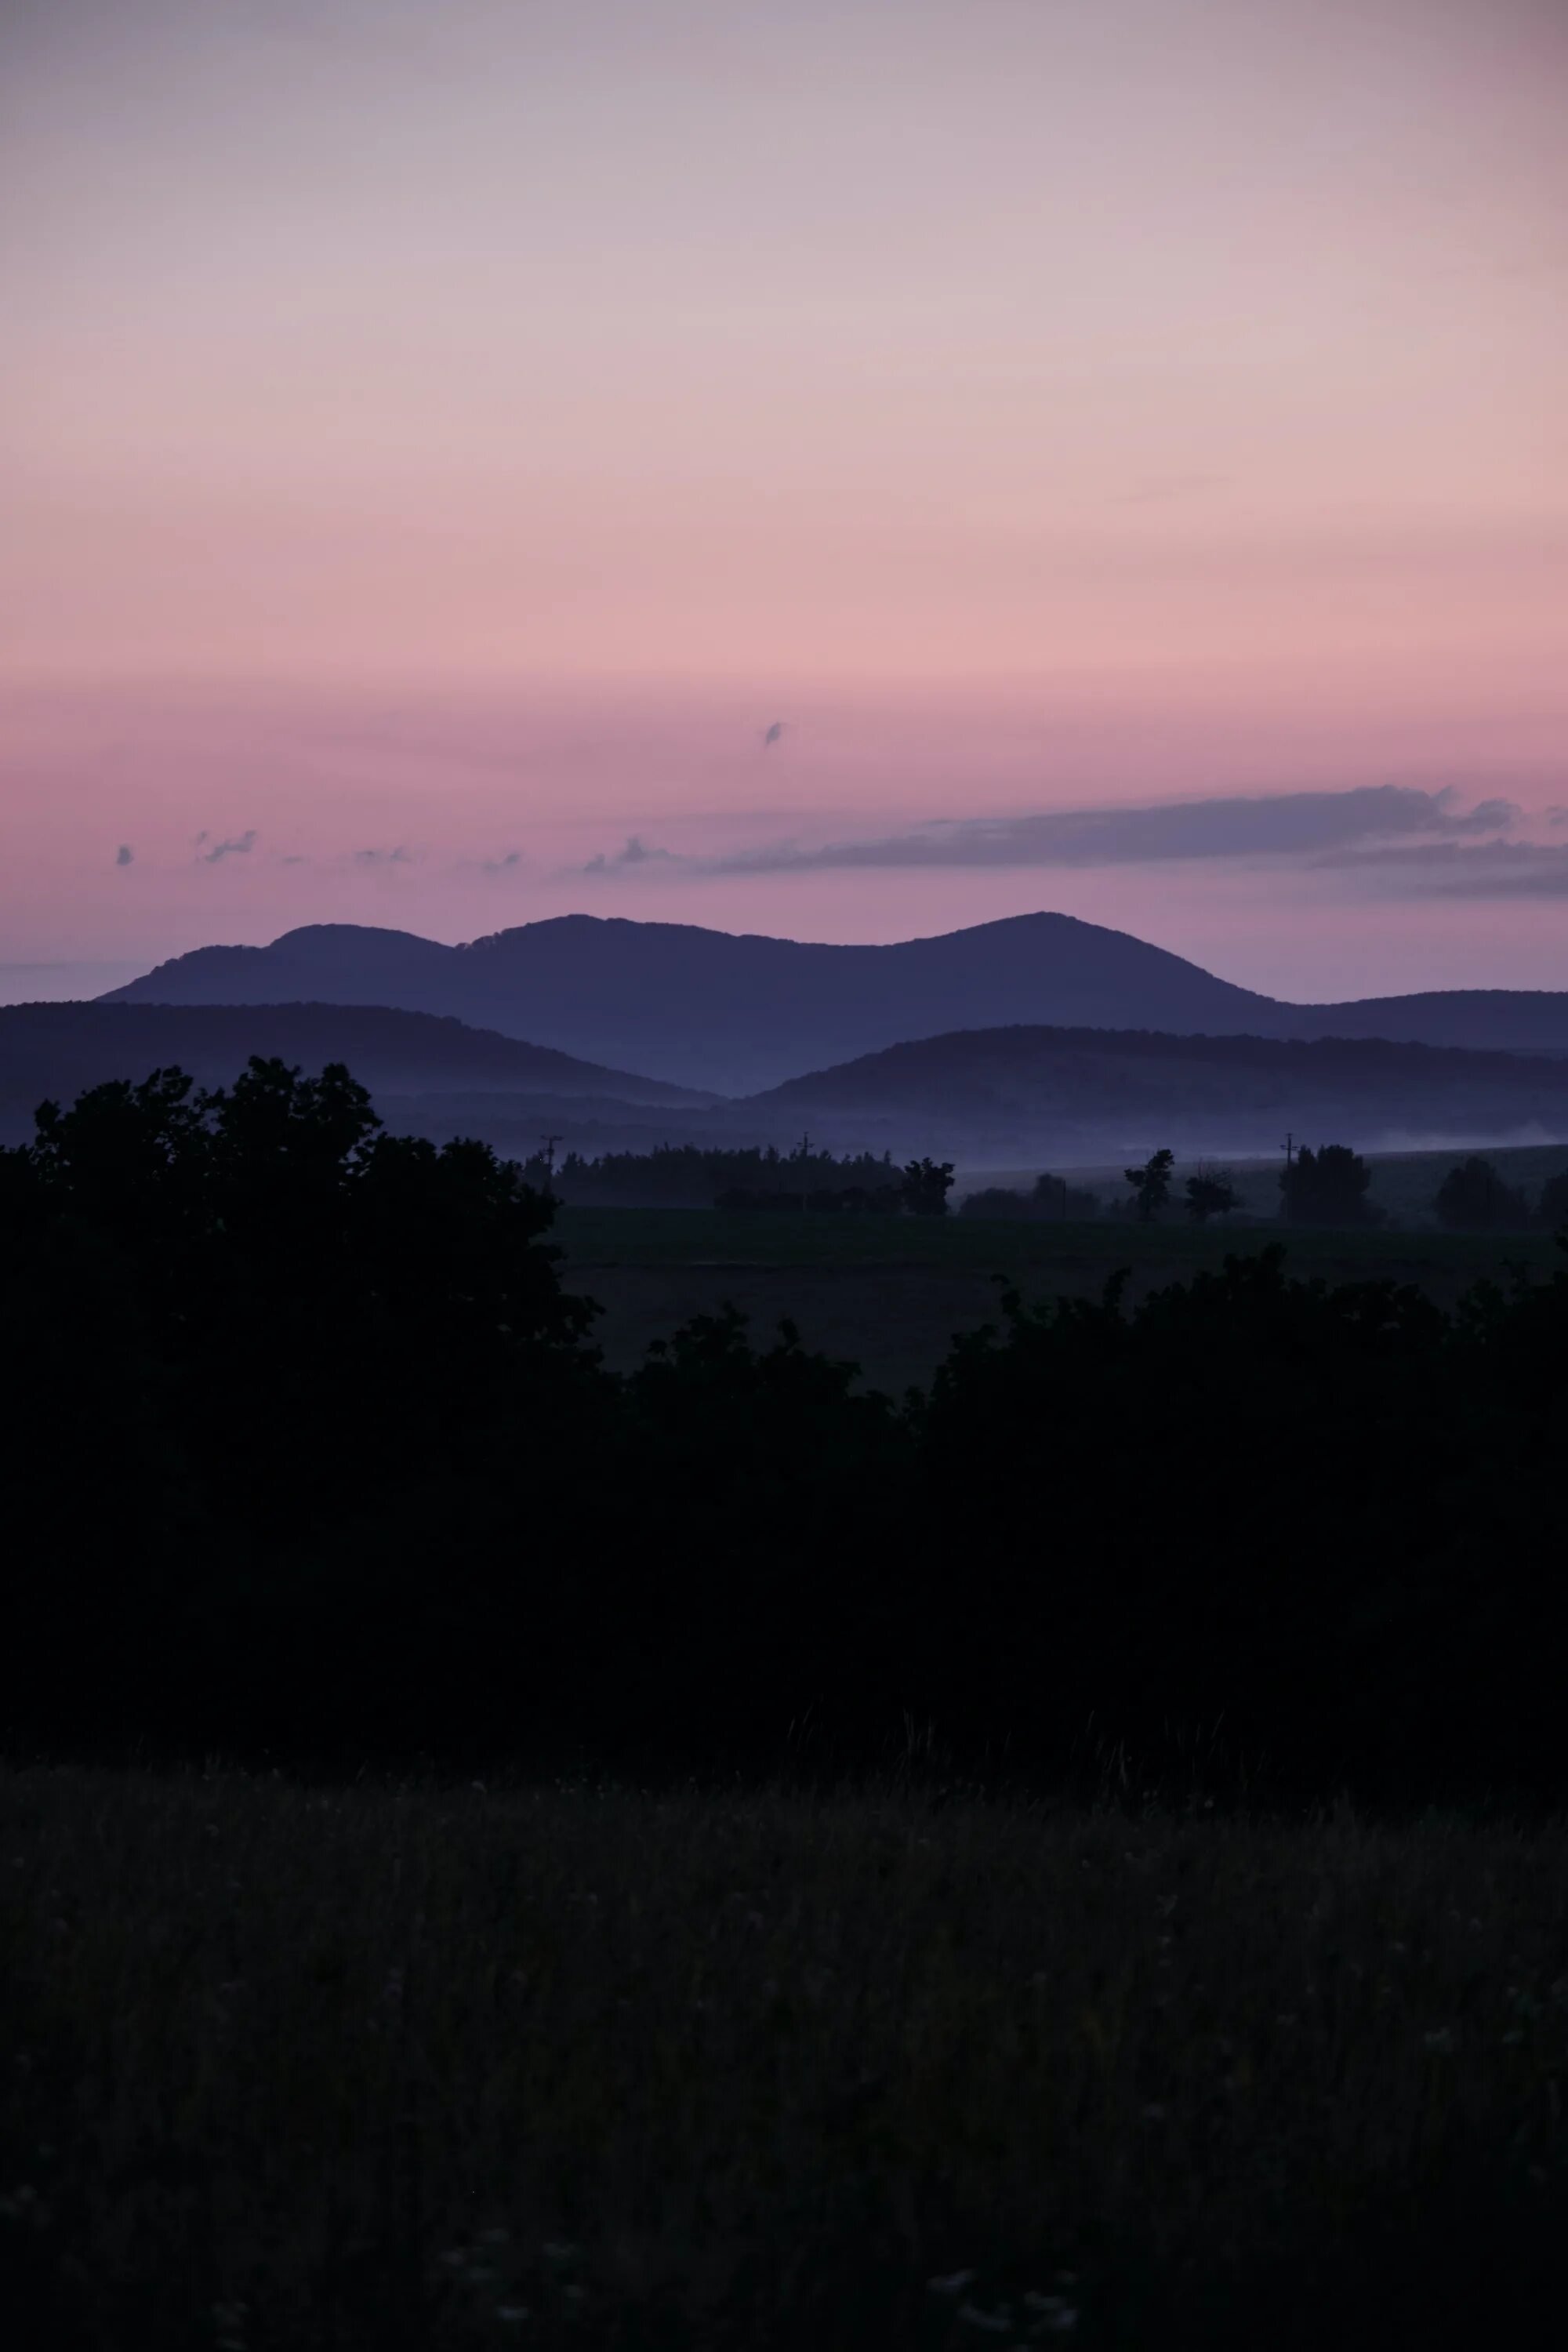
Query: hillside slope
(54,1050)
(1067,1094)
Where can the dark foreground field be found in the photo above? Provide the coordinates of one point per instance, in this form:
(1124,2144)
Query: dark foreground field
(889,1293)
(369,2066)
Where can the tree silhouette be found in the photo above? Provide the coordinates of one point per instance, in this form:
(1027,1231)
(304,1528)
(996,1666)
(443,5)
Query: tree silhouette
(1474,1198)
(1152,1185)
(1327,1188)
(925,1187)
(1211,1194)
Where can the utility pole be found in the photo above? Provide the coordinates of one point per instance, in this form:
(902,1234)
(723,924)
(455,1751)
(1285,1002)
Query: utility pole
(805,1160)
(1289,1148)
(549,1143)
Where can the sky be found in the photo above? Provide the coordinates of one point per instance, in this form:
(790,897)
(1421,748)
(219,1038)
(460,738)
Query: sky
(840,468)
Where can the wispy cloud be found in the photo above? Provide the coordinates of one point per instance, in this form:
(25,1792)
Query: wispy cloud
(238,844)
(1284,825)
(125,854)
(401,855)
(634,852)
(1453,869)
(506,864)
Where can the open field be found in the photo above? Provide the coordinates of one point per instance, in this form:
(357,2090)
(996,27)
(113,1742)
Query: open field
(889,1293)
(420,2066)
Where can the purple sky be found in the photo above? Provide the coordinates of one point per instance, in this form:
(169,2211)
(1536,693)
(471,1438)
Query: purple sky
(440,442)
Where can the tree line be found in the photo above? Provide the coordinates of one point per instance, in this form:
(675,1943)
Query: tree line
(1330,1186)
(308,1452)
(692,1176)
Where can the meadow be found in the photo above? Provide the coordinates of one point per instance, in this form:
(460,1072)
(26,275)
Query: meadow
(296,2065)
(889,1293)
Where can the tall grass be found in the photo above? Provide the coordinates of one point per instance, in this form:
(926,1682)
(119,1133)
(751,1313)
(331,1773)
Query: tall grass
(408,2066)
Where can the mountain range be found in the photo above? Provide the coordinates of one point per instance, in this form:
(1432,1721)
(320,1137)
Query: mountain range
(737,1013)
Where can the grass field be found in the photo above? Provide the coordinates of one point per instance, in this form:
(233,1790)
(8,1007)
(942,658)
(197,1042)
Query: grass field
(889,1293)
(368,2066)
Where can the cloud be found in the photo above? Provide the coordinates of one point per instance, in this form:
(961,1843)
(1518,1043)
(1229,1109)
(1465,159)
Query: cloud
(125,854)
(398,856)
(1452,869)
(1289,825)
(508,863)
(239,845)
(638,852)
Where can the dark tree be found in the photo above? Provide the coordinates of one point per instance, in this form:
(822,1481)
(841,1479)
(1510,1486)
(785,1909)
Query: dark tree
(1152,1185)
(926,1185)
(1473,1198)
(1327,1188)
(1211,1194)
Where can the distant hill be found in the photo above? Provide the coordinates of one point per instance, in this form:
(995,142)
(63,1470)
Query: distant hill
(738,1013)
(713,1009)
(1012,1096)
(54,1050)
(1505,1020)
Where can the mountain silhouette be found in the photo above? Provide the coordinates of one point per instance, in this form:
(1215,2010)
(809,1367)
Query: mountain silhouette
(737,1013)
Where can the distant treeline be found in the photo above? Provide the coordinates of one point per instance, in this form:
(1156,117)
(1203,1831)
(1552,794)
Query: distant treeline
(688,1176)
(307,1453)
(1327,1187)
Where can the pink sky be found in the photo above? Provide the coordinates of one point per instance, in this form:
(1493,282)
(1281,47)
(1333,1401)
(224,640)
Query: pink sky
(461,431)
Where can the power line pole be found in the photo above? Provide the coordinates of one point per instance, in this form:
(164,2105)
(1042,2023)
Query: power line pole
(550,1143)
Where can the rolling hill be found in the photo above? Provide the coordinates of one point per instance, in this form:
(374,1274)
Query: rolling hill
(1074,1096)
(54,1051)
(737,1013)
